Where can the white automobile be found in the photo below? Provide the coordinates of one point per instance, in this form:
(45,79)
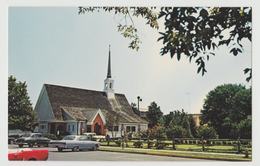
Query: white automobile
(75,143)
(93,136)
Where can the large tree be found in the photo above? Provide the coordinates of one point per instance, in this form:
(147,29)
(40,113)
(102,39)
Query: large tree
(225,107)
(192,32)
(154,114)
(20,111)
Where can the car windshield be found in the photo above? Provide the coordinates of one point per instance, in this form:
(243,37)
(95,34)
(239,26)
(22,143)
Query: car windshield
(69,137)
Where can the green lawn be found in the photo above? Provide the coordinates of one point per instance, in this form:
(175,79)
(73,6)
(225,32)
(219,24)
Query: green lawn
(176,153)
(189,147)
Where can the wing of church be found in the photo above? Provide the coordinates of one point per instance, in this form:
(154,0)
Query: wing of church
(76,111)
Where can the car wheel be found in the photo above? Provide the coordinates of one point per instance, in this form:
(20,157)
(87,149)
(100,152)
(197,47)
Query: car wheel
(20,145)
(75,149)
(60,149)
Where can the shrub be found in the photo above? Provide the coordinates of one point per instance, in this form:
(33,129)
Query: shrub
(160,145)
(150,145)
(138,144)
(118,142)
(207,132)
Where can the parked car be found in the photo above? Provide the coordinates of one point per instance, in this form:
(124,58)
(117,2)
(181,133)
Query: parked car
(14,134)
(95,137)
(32,140)
(28,154)
(75,143)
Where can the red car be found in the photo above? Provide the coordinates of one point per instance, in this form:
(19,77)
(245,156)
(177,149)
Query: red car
(28,154)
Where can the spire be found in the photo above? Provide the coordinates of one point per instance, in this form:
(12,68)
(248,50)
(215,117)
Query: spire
(109,66)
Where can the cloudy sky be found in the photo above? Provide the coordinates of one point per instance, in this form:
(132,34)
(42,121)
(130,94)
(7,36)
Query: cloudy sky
(58,46)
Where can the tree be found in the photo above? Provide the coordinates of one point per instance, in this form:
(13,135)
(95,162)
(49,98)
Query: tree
(112,120)
(224,108)
(176,131)
(193,127)
(178,122)
(245,128)
(20,111)
(158,131)
(207,132)
(194,32)
(154,114)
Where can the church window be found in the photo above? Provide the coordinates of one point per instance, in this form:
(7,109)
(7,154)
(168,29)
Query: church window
(110,86)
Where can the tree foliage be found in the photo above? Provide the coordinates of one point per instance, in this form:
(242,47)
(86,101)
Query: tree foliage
(207,132)
(177,124)
(196,32)
(154,114)
(225,107)
(245,128)
(193,127)
(112,120)
(192,32)
(20,111)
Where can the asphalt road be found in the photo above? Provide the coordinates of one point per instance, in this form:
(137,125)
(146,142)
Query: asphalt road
(68,155)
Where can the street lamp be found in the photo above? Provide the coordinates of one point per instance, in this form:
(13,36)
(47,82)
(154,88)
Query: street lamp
(138,100)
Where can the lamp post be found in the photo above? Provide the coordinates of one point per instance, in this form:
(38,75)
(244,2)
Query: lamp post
(138,100)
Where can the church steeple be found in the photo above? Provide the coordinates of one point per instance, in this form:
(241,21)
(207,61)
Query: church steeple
(109,65)
(109,82)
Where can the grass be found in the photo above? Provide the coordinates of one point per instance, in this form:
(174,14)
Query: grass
(189,147)
(173,153)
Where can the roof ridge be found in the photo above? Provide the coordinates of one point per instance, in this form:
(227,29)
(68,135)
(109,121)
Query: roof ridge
(62,86)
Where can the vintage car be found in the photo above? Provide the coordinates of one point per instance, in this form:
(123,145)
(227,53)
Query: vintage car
(14,134)
(28,154)
(32,140)
(94,137)
(75,143)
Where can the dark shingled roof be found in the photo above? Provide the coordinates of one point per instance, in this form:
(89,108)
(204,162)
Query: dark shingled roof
(80,114)
(64,97)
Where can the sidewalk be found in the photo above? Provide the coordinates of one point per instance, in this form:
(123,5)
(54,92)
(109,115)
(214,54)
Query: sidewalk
(184,154)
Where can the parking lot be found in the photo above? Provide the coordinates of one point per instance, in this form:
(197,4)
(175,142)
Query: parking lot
(68,155)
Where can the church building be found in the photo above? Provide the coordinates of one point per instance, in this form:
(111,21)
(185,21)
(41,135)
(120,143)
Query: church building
(62,109)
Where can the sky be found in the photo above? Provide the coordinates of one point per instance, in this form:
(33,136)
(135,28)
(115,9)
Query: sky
(57,46)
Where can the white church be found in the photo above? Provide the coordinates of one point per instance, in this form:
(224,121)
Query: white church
(75,111)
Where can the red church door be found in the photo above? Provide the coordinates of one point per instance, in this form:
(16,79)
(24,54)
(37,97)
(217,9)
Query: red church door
(97,129)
